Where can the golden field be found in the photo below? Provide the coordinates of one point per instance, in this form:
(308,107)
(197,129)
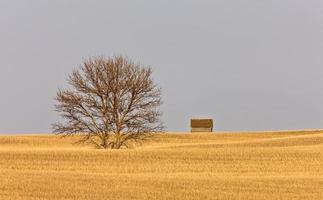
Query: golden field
(271,165)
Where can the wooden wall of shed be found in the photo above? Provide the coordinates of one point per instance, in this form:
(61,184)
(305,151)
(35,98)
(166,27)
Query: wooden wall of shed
(197,130)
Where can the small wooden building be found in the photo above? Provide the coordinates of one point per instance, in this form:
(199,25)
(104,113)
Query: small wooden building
(201,125)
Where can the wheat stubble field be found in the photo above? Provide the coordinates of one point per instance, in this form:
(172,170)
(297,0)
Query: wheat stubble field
(272,165)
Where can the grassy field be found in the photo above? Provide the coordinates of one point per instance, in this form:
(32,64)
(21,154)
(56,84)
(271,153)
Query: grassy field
(277,165)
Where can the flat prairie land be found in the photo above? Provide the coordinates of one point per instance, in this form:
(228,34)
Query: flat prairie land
(270,165)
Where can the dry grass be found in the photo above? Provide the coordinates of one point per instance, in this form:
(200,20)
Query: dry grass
(285,165)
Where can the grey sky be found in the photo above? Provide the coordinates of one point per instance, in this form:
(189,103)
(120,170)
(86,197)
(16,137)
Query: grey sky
(251,65)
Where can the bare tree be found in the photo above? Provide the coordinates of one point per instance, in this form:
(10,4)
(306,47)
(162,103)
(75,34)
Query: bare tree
(111,101)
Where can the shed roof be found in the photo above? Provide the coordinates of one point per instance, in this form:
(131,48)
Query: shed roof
(201,123)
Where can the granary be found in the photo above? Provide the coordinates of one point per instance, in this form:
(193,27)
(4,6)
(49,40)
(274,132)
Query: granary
(201,125)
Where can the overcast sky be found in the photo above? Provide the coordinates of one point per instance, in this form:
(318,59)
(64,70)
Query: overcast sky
(250,65)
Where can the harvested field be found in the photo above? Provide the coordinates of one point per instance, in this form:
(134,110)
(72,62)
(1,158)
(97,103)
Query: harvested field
(271,165)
